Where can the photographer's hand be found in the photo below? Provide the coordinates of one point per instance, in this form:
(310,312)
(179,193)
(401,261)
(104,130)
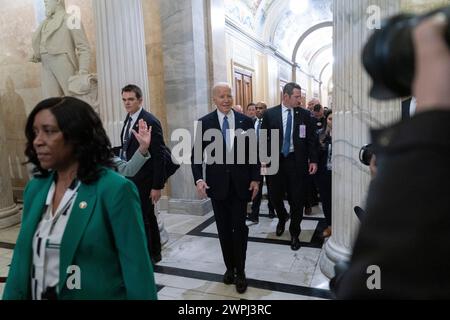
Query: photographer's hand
(431,85)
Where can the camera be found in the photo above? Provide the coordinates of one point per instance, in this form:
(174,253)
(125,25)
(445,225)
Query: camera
(365,154)
(389,58)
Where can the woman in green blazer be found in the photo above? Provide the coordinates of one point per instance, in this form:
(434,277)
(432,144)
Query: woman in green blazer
(82,234)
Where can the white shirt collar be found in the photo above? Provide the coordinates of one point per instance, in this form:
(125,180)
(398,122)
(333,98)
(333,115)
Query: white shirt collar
(135,115)
(222,115)
(230,116)
(284,108)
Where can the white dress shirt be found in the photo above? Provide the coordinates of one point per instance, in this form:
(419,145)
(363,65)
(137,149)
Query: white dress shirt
(133,117)
(47,241)
(231,124)
(284,113)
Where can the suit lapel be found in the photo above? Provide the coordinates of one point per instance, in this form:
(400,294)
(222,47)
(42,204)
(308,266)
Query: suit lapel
(33,217)
(297,122)
(279,121)
(214,121)
(123,129)
(82,210)
(54,24)
(238,121)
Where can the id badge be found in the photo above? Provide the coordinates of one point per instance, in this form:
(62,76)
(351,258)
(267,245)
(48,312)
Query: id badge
(302,131)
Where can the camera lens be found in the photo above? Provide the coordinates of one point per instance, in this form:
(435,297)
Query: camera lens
(389,56)
(365,154)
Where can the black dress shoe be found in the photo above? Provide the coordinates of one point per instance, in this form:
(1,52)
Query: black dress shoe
(272,214)
(241,283)
(280,228)
(228,277)
(295,243)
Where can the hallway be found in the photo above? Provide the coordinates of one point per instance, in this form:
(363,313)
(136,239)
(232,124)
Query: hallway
(192,266)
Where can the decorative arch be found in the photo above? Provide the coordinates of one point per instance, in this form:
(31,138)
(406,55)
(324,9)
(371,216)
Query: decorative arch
(306,34)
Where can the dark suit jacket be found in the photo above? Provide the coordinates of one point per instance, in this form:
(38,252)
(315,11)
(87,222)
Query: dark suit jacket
(152,173)
(305,148)
(219,176)
(406,227)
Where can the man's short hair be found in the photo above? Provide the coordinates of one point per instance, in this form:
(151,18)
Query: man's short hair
(133,88)
(221,84)
(261,105)
(251,104)
(289,88)
(317,108)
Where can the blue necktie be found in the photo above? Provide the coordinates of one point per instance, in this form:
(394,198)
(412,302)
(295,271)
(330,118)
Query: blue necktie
(126,140)
(287,135)
(225,127)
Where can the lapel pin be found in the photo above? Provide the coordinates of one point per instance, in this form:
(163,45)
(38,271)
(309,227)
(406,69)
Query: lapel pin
(83,205)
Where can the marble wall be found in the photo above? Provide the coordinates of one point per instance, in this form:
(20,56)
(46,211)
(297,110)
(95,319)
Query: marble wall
(20,88)
(19,84)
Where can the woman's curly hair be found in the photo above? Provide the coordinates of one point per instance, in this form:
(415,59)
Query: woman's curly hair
(82,128)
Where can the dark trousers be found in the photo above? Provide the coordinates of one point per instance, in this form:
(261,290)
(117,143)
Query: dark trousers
(256,204)
(230,217)
(324,183)
(287,181)
(311,192)
(150,223)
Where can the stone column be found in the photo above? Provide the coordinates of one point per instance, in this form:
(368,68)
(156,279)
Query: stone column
(217,47)
(187,86)
(9,211)
(354,114)
(121,58)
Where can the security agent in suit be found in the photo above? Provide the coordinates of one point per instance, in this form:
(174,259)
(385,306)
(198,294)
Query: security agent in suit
(62,48)
(404,237)
(230,186)
(261,107)
(298,158)
(150,178)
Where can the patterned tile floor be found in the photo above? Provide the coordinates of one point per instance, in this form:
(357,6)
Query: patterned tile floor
(192,265)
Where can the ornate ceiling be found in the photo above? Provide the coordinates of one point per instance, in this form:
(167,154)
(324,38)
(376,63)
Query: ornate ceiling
(275,22)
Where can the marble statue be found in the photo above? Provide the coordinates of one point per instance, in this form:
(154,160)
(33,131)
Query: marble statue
(63,50)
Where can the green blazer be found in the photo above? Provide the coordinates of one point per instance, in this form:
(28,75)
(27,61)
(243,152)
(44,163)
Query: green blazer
(104,237)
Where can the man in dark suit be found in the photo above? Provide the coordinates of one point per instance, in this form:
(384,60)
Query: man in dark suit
(261,107)
(150,179)
(298,158)
(229,184)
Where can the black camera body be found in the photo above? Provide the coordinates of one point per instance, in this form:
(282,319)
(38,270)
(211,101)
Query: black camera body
(389,57)
(365,154)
